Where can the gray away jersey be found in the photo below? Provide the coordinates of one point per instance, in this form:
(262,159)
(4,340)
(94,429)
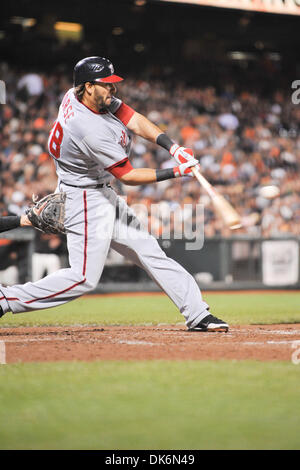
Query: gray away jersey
(85,144)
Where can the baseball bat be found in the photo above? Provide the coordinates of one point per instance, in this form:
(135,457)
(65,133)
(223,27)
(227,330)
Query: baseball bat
(225,210)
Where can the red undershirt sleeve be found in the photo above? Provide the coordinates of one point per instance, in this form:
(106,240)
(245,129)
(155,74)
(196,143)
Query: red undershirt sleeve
(124,113)
(120,168)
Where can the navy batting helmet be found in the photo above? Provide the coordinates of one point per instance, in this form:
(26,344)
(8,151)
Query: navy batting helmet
(95,69)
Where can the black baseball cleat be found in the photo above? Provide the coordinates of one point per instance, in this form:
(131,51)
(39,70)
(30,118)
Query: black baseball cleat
(211,323)
(1,312)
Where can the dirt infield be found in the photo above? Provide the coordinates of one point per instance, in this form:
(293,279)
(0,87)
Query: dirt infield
(174,342)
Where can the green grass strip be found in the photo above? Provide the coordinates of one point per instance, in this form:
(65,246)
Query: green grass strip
(234,308)
(150,405)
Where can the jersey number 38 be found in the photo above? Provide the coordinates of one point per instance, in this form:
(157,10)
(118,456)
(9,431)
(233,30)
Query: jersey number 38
(56,140)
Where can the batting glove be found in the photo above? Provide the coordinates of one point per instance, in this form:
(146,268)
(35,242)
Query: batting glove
(181,154)
(185,169)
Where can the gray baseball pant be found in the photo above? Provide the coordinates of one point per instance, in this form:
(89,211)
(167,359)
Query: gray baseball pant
(97,219)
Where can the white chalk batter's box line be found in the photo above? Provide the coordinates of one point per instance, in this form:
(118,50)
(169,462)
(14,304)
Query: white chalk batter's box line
(129,342)
(142,343)
(254,343)
(260,331)
(37,340)
(280,332)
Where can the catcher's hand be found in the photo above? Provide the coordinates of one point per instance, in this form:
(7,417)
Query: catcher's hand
(48,213)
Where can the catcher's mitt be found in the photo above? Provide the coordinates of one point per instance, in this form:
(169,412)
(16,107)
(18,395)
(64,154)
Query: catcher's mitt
(48,213)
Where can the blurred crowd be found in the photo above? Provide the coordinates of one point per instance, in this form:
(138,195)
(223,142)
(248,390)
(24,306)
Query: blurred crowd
(244,141)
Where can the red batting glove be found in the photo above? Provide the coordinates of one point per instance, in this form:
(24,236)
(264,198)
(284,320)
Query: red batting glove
(181,154)
(185,169)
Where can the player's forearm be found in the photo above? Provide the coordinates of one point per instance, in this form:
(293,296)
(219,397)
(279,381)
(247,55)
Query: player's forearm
(139,176)
(136,176)
(141,126)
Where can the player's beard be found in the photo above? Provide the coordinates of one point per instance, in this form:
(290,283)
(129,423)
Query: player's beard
(102,103)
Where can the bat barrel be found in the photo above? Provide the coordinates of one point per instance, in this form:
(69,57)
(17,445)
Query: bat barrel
(227,213)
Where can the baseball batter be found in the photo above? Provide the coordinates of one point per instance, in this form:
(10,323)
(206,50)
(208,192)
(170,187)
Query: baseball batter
(90,144)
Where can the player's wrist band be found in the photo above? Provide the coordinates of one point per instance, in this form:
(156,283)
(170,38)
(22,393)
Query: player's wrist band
(165,174)
(9,222)
(164,141)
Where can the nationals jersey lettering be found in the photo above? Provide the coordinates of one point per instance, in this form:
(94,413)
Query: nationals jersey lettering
(86,144)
